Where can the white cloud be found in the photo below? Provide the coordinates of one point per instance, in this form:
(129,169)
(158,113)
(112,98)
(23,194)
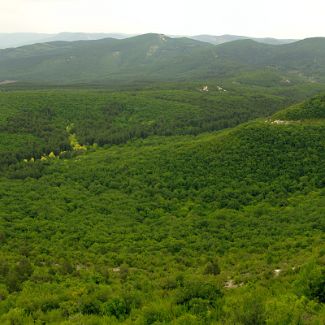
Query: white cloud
(278,18)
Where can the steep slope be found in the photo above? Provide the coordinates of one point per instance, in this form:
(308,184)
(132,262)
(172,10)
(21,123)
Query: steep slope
(225,227)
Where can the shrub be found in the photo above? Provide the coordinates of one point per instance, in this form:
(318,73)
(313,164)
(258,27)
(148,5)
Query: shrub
(115,307)
(212,267)
(206,291)
(311,282)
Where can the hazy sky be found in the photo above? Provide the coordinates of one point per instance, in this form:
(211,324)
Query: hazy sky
(277,18)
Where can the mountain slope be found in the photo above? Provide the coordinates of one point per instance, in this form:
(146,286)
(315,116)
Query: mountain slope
(154,57)
(303,58)
(225,227)
(311,110)
(34,123)
(253,53)
(144,57)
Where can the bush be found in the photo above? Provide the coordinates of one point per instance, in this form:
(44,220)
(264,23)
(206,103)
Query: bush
(156,314)
(212,267)
(247,308)
(116,307)
(311,282)
(20,273)
(208,292)
(199,306)
(90,307)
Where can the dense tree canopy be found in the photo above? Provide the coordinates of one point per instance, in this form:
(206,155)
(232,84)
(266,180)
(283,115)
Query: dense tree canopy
(223,227)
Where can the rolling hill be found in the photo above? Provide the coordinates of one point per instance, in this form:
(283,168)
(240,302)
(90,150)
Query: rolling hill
(157,58)
(306,56)
(224,227)
(34,122)
(143,57)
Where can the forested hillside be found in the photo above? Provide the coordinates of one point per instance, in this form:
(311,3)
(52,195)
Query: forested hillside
(162,224)
(156,58)
(36,123)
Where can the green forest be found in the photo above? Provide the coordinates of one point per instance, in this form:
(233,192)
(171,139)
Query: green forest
(158,58)
(163,204)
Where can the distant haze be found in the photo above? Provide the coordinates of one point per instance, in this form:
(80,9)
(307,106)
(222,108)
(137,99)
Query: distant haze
(290,19)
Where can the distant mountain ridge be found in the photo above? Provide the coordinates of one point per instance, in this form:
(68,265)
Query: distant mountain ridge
(216,40)
(157,57)
(8,40)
